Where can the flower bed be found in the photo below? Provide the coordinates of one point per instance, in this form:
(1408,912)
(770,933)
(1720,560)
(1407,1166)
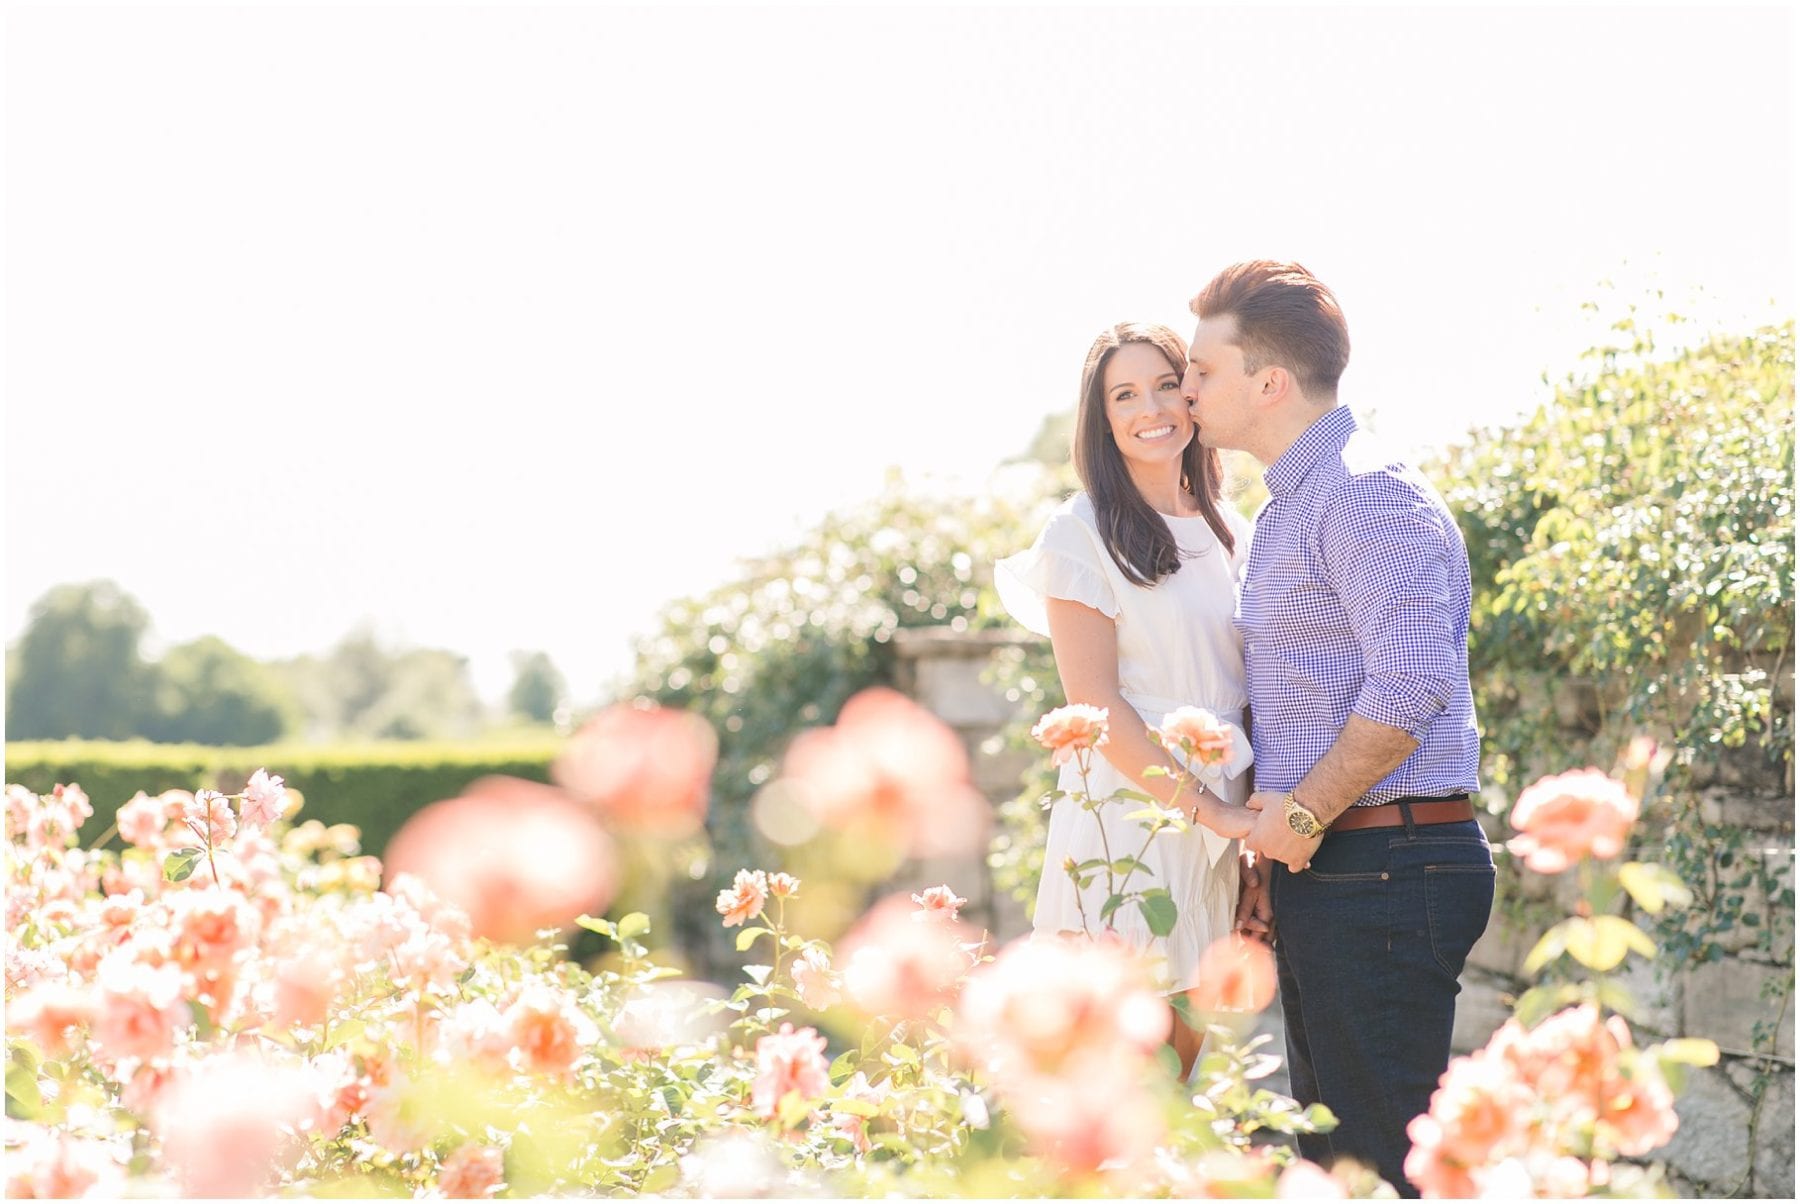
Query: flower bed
(239,1004)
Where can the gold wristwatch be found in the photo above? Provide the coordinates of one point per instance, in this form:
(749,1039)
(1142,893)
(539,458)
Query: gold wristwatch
(1299,818)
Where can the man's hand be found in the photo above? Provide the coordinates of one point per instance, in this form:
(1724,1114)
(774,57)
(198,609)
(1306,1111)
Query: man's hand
(1272,839)
(1255,911)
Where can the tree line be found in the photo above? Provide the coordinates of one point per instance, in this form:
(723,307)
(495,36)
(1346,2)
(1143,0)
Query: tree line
(80,670)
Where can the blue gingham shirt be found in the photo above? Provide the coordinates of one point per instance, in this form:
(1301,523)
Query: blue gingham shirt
(1356,599)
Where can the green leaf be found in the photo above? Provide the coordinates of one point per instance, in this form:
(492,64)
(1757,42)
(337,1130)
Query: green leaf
(1112,904)
(1601,943)
(844,1065)
(662,1176)
(1653,887)
(633,925)
(855,1107)
(902,1052)
(23,1100)
(1126,865)
(1158,910)
(179,865)
(1689,1051)
(1539,1002)
(1550,946)
(1155,771)
(748,937)
(596,924)
(1136,796)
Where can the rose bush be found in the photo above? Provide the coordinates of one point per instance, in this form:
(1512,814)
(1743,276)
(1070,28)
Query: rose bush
(239,1004)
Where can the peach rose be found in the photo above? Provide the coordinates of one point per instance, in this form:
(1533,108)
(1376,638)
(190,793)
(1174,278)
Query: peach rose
(938,903)
(788,1061)
(1583,813)
(1070,729)
(139,1008)
(265,799)
(225,1124)
(1199,731)
(814,981)
(548,1031)
(783,886)
(893,772)
(473,1172)
(644,768)
(744,899)
(1236,975)
(514,856)
(1046,1001)
(48,1012)
(143,821)
(894,967)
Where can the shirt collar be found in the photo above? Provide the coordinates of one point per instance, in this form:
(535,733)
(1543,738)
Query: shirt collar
(1329,432)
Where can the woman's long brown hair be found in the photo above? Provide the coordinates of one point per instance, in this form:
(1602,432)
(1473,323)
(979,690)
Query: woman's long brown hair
(1140,541)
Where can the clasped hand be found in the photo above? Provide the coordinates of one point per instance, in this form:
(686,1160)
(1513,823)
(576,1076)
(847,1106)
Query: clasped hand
(1272,839)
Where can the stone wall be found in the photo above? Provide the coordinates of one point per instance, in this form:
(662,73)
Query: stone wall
(1725,1145)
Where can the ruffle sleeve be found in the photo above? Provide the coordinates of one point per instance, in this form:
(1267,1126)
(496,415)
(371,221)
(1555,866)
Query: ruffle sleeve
(1063,563)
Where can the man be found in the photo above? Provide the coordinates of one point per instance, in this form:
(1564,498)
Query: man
(1355,613)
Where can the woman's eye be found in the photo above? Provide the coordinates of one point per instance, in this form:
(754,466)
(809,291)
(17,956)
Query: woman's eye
(1169,384)
(1123,395)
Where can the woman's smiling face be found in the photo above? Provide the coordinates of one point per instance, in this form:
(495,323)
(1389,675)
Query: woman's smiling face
(1144,405)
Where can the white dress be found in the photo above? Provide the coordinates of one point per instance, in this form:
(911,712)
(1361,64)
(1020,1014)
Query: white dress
(1177,647)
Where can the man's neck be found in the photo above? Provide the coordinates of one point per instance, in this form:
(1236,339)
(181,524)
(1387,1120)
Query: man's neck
(1285,428)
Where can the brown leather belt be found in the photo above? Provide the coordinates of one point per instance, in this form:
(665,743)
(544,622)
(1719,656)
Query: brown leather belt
(1387,815)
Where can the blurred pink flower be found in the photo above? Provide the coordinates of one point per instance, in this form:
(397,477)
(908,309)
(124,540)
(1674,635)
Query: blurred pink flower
(1200,729)
(893,772)
(895,967)
(139,1008)
(1564,818)
(788,1060)
(938,903)
(783,886)
(644,768)
(210,817)
(548,1031)
(744,899)
(1236,975)
(48,1012)
(813,978)
(265,799)
(143,821)
(514,856)
(1097,1117)
(1070,729)
(230,1123)
(1046,1001)
(472,1172)
(49,1165)
(1303,1180)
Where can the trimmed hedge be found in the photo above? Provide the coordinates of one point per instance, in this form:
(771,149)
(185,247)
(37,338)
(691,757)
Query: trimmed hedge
(374,786)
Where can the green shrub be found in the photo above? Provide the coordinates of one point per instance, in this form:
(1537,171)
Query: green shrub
(374,786)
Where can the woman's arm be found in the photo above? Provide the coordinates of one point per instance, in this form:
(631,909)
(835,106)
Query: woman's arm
(1086,646)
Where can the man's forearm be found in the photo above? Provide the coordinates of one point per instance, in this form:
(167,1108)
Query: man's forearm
(1364,753)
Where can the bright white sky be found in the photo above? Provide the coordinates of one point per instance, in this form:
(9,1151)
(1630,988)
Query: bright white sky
(503,328)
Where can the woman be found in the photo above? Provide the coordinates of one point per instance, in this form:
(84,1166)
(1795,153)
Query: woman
(1134,579)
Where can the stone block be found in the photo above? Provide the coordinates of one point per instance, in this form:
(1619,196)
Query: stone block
(1502,948)
(1712,1146)
(1658,997)
(951,688)
(1774,1129)
(1481,1008)
(1756,813)
(1723,1000)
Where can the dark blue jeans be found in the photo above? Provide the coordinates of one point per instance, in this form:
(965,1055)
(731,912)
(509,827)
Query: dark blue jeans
(1369,942)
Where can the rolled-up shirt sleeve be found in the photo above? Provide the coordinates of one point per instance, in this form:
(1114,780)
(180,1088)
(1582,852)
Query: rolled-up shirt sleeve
(1387,556)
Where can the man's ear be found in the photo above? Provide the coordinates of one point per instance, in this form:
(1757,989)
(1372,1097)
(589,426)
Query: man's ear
(1277,383)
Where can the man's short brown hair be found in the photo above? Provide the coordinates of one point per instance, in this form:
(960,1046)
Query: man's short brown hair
(1285,315)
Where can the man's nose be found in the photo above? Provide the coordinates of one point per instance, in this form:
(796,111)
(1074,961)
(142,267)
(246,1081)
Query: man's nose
(1189,393)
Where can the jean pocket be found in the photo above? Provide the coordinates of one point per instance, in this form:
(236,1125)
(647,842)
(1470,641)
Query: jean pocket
(1458,901)
(1350,857)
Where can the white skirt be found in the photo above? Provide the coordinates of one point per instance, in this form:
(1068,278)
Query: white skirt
(1198,867)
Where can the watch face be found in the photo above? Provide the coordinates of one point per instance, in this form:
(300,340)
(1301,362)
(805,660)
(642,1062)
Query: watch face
(1299,822)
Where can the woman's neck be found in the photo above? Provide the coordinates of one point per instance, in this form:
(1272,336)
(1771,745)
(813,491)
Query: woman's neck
(1160,485)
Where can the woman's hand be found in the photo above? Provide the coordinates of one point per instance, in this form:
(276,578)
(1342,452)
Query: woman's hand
(1233,823)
